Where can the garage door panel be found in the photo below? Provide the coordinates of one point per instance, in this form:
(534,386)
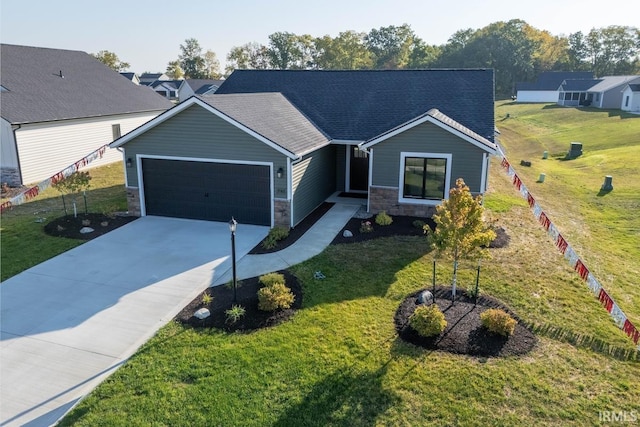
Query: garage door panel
(207,190)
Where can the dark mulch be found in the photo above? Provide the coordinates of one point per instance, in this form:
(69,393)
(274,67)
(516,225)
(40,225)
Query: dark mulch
(464,333)
(70,226)
(247,291)
(401,226)
(296,232)
(502,238)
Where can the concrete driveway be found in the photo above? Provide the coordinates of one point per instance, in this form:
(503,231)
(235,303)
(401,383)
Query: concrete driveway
(68,323)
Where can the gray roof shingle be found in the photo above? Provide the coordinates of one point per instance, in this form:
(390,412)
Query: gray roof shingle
(37,93)
(359,105)
(551,80)
(284,124)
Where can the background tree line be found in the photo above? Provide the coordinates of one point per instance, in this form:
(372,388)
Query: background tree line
(516,50)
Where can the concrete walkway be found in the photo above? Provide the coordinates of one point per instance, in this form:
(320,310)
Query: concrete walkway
(70,322)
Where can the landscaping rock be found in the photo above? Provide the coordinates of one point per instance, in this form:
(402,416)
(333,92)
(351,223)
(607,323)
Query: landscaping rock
(86,230)
(424,297)
(347,234)
(203,313)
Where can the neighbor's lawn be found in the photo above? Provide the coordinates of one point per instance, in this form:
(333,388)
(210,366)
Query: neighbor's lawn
(23,243)
(339,361)
(604,229)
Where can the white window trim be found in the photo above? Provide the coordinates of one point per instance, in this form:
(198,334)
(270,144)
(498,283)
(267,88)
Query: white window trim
(447,183)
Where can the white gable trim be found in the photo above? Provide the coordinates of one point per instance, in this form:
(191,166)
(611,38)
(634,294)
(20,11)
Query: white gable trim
(428,118)
(183,106)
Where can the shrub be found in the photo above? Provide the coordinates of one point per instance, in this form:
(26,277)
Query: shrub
(206,298)
(419,224)
(383,219)
(428,320)
(271,279)
(366,227)
(229,284)
(271,298)
(235,313)
(498,321)
(275,235)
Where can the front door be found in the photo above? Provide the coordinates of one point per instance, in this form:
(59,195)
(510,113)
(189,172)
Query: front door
(358,169)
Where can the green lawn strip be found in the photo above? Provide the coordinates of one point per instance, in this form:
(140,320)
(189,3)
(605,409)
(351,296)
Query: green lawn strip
(24,244)
(339,361)
(603,228)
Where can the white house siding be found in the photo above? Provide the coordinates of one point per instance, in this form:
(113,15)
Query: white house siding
(47,148)
(634,100)
(537,96)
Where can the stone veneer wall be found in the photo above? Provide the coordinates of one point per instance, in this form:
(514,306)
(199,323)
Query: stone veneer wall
(386,199)
(282,214)
(10,176)
(133,201)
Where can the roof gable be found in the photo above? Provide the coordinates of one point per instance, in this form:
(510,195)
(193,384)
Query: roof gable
(444,122)
(551,80)
(611,82)
(53,84)
(358,105)
(285,129)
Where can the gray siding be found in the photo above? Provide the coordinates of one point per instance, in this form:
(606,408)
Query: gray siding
(313,181)
(197,133)
(427,138)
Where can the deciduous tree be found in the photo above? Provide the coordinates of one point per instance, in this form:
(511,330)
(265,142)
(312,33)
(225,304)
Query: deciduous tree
(111,60)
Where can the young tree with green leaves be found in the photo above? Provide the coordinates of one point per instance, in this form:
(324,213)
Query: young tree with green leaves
(460,228)
(111,60)
(73,185)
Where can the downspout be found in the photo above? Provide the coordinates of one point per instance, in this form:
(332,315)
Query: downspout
(290,165)
(15,145)
(124,162)
(370,174)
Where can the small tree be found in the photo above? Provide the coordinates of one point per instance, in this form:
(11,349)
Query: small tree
(73,184)
(460,229)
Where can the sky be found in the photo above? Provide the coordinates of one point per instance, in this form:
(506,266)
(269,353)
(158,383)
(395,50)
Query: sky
(148,34)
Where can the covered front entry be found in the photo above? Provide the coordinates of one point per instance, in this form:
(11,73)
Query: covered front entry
(358,169)
(207,190)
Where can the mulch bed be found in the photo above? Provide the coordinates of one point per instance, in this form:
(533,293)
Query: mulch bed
(70,226)
(296,232)
(464,333)
(247,297)
(401,226)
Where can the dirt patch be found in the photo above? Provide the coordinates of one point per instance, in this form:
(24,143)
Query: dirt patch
(70,226)
(247,297)
(464,333)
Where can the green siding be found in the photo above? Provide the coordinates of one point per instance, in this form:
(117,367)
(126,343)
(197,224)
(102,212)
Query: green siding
(341,166)
(427,138)
(198,133)
(313,181)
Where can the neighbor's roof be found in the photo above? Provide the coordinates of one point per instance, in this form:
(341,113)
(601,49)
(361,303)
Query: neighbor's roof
(578,85)
(201,86)
(634,87)
(551,80)
(358,105)
(612,82)
(36,91)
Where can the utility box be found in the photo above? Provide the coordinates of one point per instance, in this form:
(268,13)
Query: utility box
(575,150)
(608,183)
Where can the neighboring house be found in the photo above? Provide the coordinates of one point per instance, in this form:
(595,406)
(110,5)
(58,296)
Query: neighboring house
(167,88)
(190,87)
(607,93)
(58,106)
(573,93)
(631,98)
(270,146)
(545,88)
(132,77)
(147,79)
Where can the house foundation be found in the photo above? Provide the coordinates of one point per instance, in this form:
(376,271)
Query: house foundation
(386,199)
(133,201)
(282,213)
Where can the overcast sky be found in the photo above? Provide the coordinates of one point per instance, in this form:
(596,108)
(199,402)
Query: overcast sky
(147,34)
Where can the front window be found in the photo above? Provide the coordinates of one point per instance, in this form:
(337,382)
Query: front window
(425,177)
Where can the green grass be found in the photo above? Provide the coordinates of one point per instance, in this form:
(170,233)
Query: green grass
(603,228)
(339,362)
(23,243)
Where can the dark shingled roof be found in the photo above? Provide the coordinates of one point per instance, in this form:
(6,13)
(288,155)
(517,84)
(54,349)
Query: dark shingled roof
(200,86)
(551,80)
(359,105)
(634,88)
(578,85)
(283,124)
(37,93)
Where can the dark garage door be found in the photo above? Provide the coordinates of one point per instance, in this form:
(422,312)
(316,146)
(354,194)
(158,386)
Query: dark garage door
(209,191)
